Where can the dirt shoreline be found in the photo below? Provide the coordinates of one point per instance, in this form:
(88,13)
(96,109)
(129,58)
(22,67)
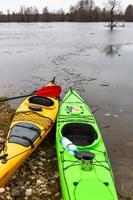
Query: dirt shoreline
(38,177)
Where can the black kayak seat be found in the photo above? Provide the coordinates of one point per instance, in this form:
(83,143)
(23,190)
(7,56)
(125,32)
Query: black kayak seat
(44,101)
(79,134)
(24,134)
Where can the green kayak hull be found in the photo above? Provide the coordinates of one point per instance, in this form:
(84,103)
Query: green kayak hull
(85,174)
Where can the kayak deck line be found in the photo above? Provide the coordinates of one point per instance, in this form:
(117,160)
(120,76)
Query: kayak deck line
(76,117)
(33,117)
(82,121)
(81,115)
(80,163)
(71,91)
(67,102)
(81,118)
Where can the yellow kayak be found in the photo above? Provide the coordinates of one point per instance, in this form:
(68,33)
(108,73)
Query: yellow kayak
(31,123)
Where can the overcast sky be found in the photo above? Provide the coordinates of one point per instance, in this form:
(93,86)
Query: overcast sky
(14,5)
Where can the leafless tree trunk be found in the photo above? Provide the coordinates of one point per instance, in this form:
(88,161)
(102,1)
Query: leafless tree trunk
(113,8)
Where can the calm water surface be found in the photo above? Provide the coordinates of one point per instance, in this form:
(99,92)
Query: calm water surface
(88,57)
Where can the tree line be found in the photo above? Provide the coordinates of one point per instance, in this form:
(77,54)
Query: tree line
(83,11)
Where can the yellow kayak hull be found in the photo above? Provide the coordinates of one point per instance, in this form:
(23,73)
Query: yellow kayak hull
(43,119)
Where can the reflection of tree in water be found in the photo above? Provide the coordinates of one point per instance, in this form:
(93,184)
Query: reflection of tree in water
(111,50)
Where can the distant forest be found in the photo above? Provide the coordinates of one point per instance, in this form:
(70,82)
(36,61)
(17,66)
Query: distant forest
(83,11)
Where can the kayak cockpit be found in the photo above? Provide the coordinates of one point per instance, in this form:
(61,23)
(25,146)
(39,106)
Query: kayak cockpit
(39,100)
(79,134)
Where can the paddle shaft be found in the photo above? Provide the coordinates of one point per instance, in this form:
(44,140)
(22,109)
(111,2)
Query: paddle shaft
(17,97)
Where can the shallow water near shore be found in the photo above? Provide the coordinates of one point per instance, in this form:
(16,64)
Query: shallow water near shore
(96,62)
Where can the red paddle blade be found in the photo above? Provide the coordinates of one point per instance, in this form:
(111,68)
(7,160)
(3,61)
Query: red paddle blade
(49,91)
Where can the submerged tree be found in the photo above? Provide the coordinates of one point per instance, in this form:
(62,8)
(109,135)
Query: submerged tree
(113,8)
(111,50)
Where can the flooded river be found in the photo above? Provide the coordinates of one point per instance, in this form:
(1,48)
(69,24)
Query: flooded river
(88,57)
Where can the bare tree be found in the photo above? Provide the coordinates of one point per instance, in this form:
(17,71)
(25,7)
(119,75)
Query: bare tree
(113,8)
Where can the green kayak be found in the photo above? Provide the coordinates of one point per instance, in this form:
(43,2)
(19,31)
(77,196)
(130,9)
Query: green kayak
(84,168)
